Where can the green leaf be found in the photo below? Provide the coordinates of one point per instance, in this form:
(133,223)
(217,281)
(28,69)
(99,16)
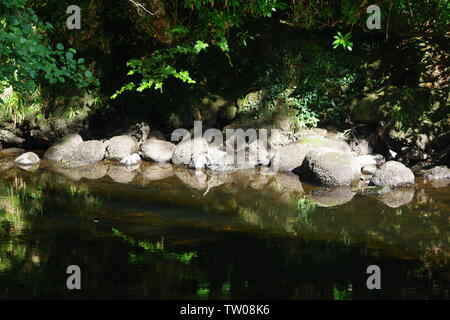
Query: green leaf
(88,74)
(59,46)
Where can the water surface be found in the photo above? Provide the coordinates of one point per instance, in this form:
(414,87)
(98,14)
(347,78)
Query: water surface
(167,233)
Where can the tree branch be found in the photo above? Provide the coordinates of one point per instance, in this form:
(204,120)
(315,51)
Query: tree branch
(141,7)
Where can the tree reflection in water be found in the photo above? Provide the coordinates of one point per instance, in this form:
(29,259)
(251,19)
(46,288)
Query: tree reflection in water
(249,236)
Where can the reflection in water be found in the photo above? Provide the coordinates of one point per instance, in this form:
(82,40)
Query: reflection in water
(163,232)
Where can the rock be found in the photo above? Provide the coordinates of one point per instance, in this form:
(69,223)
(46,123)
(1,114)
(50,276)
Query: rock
(218,160)
(119,147)
(157,150)
(370,170)
(238,156)
(397,198)
(290,157)
(438,172)
(187,150)
(88,152)
(6,165)
(10,138)
(131,160)
(360,147)
(330,167)
(392,154)
(63,149)
(369,160)
(140,132)
(199,161)
(260,153)
(12,151)
(27,159)
(393,173)
(331,197)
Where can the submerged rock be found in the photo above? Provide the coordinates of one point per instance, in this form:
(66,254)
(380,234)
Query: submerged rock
(393,173)
(27,159)
(329,167)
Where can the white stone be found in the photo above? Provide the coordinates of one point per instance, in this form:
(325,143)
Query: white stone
(27,159)
(131,160)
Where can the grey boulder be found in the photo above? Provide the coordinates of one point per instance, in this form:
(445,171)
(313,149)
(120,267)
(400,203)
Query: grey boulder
(119,147)
(157,150)
(290,157)
(328,167)
(88,152)
(439,172)
(63,149)
(189,150)
(393,173)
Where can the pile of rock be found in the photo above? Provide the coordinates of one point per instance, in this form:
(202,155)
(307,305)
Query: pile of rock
(319,160)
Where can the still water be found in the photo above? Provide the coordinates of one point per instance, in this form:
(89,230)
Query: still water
(160,232)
